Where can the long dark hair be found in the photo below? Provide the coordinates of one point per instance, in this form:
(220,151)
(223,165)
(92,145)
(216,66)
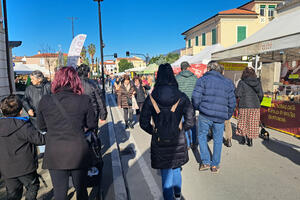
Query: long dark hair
(248,73)
(165,76)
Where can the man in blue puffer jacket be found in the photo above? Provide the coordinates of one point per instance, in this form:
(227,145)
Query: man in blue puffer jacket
(214,97)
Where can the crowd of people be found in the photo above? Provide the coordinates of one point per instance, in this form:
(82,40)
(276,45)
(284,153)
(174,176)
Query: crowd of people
(169,116)
(61,112)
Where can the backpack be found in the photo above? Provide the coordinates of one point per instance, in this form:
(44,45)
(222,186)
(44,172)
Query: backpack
(166,126)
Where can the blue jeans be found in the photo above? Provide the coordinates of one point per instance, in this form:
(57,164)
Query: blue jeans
(191,135)
(171,183)
(217,131)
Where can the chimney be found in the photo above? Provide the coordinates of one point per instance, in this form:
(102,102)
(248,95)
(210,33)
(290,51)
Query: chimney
(39,52)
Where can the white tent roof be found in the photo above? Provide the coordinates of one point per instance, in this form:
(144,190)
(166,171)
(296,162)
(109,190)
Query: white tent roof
(281,33)
(180,60)
(22,69)
(37,67)
(205,55)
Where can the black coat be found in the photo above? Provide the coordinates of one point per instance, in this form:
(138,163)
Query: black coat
(66,149)
(140,93)
(33,95)
(97,99)
(174,155)
(250,93)
(17,146)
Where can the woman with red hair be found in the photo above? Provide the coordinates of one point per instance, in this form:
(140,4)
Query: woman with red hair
(65,115)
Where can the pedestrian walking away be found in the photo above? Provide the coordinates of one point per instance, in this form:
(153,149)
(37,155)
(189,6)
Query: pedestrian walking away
(249,94)
(67,152)
(140,94)
(125,95)
(18,160)
(91,89)
(186,82)
(214,97)
(166,106)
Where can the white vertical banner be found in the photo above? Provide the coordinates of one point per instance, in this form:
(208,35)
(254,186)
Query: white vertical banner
(75,50)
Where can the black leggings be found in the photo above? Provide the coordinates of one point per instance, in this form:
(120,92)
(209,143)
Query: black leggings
(60,182)
(128,111)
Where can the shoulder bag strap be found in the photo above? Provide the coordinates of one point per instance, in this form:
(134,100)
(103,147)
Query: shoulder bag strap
(174,107)
(156,108)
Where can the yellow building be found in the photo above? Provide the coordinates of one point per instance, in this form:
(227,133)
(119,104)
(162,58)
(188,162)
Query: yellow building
(136,61)
(230,26)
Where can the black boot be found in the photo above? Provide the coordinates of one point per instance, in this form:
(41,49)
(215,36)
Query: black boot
(249,142)
(228,143)
(131,124)
(243,140)
(126,125)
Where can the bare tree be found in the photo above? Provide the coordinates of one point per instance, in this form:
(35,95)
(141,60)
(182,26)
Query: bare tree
(50,56)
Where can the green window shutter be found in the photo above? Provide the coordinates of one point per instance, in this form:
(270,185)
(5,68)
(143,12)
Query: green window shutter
(262,6)
(241,33)
(272,6)
(190,45)
(214,36)
(203,39)
(197,41)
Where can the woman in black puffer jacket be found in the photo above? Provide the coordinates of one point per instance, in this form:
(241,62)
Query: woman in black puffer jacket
(249,94)
(168,157)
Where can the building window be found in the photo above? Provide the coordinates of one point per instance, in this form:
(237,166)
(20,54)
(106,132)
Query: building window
(262,10)
(42,61)
(197,41)
(203,39)
(190,44)
(241,33)
(271,10)
(214,36)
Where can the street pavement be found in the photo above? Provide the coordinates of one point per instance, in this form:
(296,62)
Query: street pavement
(268,170)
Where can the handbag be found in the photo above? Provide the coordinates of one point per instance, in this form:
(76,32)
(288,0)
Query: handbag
(94,143)
(129,100)
(134,103)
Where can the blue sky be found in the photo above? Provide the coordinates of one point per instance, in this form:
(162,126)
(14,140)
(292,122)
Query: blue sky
(141,26)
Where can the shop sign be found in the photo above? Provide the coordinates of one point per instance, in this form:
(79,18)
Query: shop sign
(294,76)
(267,102)
(234,66)
(266,46)
(283,116)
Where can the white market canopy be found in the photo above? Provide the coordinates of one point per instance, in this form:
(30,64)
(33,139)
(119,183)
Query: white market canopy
(205,55)
(280,36)
(137,69)
(180,60)
(22,69)
(37,67)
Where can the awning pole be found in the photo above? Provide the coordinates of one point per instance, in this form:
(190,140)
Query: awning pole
(256,62)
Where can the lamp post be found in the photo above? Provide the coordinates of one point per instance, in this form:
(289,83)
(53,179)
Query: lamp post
(7,48)
(101,45)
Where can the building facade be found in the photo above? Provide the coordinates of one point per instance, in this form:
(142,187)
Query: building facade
(6,74)
(229,27)
(46,60)
(136,61)
(110,67)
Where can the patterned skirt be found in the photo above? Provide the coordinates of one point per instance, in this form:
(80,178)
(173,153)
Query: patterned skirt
(248,122)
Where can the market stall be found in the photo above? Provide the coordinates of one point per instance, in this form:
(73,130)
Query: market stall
(21,69)
(275,54)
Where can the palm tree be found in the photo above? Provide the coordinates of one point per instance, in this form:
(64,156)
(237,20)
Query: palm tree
(83,53)
(92,51)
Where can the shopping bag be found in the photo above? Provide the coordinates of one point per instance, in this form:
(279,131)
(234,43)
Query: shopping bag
(134,103)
